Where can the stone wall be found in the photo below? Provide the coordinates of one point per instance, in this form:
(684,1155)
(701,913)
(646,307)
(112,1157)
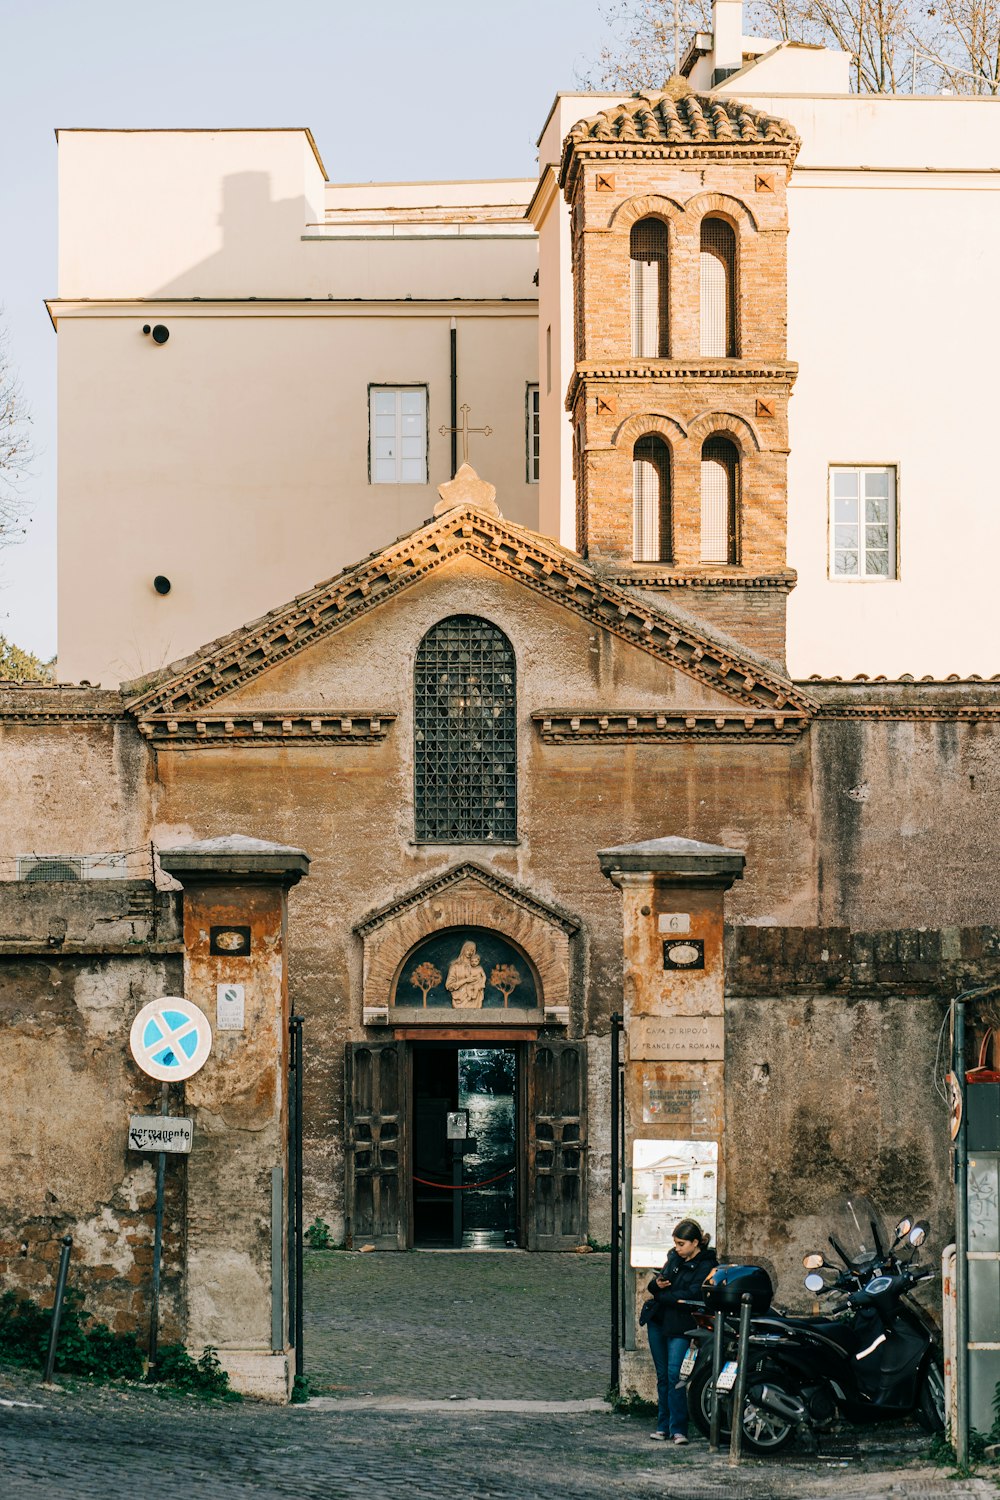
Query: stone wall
(835,1057)
(76,962)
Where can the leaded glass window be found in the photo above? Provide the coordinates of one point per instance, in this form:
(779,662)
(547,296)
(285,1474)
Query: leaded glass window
(465,734)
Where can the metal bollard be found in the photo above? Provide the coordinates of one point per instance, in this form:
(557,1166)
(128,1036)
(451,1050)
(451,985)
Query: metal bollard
(50,1363)
(717,1331)
(740,1391)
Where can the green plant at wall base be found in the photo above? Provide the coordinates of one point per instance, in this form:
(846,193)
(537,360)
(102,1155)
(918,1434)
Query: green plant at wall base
(301,1390)
(318,1236)
(199,1377)
(86,1347)
(629,1403)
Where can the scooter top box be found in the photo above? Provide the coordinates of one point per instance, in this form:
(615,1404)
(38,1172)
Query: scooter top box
(725,1291)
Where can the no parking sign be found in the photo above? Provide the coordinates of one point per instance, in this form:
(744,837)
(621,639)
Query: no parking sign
(170,1039)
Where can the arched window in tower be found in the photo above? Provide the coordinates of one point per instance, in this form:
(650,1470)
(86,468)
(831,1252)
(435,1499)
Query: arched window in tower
(720,488)
(464,731)
(651,528)
(718,289)
(648,256)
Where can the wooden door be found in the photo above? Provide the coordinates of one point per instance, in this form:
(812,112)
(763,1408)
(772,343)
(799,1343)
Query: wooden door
(557,1145)
(377,1146)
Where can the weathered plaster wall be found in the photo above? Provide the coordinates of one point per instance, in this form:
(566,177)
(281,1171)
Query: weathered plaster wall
(76,962)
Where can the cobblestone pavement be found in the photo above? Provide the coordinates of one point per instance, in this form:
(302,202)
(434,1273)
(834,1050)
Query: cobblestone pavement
(525,1335)
(87,1443)
(490,1324)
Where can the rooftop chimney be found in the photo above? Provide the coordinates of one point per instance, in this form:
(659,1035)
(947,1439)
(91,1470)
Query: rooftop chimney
(727,38)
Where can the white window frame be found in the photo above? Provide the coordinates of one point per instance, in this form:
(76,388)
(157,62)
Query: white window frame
(400,439)
(532,432)
(836,528)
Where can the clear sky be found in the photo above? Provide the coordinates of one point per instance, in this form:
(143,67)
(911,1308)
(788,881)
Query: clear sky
(392,89)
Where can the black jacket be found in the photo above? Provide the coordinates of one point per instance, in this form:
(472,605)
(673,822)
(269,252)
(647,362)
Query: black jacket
(686,1278)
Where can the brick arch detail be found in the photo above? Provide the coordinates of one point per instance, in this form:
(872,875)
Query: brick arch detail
(646,206)
(711,422)
(468,903)
(733,209)
(646,423)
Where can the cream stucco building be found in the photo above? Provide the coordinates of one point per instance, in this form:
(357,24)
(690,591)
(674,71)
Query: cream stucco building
(320,335)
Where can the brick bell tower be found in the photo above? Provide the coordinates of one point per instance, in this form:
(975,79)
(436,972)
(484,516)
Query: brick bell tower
(679,396)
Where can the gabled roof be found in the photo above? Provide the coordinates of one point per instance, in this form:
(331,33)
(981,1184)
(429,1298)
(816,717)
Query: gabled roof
(532,560)
(468,870)
(690,124)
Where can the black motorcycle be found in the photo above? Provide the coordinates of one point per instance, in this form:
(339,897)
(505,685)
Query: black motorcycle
(872,1357)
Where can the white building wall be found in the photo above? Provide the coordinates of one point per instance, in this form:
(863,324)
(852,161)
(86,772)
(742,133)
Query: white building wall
(233,459)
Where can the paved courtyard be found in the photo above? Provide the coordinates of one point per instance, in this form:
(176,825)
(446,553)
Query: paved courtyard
(446,1377)
(456,1323)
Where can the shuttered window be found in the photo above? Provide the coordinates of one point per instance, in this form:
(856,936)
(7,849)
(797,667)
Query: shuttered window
(532,434)
(398,434)
(720,475)
(863,522)
(718,289)
(651,500)
(648,252)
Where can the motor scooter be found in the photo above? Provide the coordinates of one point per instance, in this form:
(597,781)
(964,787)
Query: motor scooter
(873,1356)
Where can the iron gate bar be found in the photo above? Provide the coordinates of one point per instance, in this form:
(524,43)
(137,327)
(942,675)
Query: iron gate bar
(299,1228)
(616,1200)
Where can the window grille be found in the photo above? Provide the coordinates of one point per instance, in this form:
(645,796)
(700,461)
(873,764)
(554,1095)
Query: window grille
(650,501)
(465,734)
(720,468)
(533,435)
(397,441)
(648,252)
(718,289)
(863,522)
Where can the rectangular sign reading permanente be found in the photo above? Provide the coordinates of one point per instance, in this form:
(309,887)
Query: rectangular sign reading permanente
(677,1038)
(160,1133)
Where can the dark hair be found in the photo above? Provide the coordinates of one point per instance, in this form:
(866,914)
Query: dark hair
(690,1229)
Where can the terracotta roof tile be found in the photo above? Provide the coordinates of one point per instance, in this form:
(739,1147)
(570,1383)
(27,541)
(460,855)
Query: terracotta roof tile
(691,120)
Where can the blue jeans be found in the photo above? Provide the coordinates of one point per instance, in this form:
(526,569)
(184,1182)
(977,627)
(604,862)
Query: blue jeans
(668,1351)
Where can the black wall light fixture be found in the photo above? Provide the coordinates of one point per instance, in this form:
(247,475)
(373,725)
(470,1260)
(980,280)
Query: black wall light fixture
(160,332)
(161,584)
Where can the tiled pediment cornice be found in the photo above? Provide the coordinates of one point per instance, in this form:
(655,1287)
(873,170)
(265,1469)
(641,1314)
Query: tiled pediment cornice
(512,551)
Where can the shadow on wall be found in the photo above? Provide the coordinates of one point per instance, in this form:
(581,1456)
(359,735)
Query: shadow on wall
(260,238)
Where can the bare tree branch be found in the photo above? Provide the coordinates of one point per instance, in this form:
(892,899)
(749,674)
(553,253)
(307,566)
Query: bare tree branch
(16,450)
(895,44)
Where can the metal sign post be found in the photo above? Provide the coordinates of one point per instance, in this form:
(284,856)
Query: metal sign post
(170,1039)
(616,1199)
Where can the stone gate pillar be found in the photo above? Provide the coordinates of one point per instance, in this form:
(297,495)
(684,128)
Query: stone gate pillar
(673,893)
(235,970)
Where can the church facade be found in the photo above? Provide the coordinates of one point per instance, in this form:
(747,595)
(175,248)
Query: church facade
(456,726)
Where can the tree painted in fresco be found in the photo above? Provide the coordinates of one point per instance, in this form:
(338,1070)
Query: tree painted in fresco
(506,979)
(425,977)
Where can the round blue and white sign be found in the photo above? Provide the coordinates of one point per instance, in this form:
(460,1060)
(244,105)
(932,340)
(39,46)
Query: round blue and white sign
(170,1039)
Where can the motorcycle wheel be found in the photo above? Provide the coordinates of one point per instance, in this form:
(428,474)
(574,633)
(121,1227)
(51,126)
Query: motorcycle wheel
(930,1402)
(763,1431)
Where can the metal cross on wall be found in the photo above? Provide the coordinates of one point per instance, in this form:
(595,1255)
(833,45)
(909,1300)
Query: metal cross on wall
(463,430)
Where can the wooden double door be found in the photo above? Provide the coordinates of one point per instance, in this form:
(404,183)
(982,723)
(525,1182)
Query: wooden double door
(551,1144)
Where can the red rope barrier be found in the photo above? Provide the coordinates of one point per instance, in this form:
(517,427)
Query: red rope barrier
(465,1187)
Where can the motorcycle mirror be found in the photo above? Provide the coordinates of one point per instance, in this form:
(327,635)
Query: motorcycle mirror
(903,1228)
(813,1261)
(815,1282)
(918,1234)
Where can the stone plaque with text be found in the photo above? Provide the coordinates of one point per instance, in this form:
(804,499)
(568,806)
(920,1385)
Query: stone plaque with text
(677,1038)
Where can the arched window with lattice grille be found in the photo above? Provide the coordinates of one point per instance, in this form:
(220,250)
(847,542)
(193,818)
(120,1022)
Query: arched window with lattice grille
(718,289)
(648,259)
(720,489)
(651,521)
(465,734)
